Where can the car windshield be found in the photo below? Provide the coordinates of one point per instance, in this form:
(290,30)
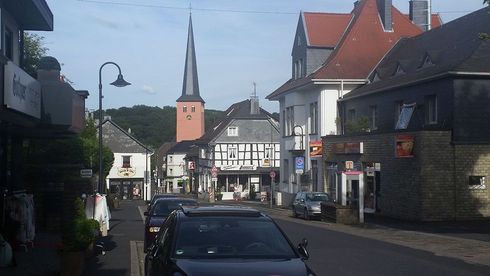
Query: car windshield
(317,197)
(231,237)
(163,208)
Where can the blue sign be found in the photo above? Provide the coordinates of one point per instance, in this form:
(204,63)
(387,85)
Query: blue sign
(299,162)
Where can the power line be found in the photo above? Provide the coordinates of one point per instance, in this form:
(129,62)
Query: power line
(182,8)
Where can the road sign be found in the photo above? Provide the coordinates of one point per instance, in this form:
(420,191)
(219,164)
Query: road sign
(214,179)
(86,173)
(191,165)
(214,174)
(272,174)
(214,169)
(299,162)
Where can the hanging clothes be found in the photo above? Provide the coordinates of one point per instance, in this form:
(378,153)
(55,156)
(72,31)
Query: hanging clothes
(102,213)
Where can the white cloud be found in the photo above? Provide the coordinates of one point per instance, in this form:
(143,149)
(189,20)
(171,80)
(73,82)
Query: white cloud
(148,89)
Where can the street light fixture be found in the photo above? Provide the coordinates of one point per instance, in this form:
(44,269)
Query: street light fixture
(120,82)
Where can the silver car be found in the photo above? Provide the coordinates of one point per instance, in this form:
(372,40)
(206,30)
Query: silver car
(307,204)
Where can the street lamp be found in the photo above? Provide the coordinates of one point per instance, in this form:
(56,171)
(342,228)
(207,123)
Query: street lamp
(120,82)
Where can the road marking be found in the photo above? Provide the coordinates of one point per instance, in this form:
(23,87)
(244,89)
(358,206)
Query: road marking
(135,266)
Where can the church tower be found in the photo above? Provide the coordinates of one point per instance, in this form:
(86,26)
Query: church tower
(190,106)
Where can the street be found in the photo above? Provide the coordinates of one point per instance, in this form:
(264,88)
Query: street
(334,249)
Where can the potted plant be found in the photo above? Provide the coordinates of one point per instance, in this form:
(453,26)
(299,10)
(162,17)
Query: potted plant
(78,238)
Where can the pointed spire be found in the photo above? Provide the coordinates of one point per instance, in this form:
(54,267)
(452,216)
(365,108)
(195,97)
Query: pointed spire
(190,88)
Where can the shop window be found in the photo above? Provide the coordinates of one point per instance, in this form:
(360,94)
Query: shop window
(477,182)
(9,44)
(405,116)
(232,153)
(233,131)
(431,109)
(126,161)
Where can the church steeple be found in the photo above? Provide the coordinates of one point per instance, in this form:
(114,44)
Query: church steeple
(190,87)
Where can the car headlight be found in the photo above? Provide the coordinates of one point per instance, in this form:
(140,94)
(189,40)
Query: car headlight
(154,229)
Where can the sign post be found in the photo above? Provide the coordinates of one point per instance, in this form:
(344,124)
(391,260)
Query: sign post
(272,174)
(299,162)
(214,180)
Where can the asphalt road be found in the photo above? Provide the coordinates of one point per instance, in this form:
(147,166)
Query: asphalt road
(336,253)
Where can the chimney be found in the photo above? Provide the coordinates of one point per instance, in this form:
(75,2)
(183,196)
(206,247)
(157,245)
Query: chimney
(254,101)
(419,14)
(384,9)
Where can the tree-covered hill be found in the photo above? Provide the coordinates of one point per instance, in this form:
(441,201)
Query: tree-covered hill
(153,126)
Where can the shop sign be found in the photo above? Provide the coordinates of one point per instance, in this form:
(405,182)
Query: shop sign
(86,173)
(126,172)
(21,91)
(348,148)
(238,168)
(349,165)
(316,148)
(404,146)
(191,165)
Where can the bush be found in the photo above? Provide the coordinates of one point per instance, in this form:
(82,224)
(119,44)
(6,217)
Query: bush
(80,232)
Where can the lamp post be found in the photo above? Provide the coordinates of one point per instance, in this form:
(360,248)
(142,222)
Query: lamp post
(120,82)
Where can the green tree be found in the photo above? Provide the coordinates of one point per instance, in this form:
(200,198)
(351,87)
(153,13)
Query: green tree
(34,49)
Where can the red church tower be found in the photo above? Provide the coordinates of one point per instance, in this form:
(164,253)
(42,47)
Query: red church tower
(190,106)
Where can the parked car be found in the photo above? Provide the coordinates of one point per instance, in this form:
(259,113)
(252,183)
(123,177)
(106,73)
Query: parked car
(224,241)
(307,204)
(159,211)
(157,196)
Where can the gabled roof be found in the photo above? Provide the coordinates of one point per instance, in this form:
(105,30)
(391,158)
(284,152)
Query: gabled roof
(363,44)
(315,24)
(435,19)
(454,48)
(240,110)
(183,147)
(120,141)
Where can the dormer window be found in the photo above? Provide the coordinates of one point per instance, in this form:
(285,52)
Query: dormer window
(399,70)
(375,77)
(233,131)
(426,62)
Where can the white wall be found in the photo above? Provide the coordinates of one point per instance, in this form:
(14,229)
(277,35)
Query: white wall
(140,162)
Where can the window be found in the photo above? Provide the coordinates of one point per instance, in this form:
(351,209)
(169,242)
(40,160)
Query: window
(376,77)
(405,116)
(170,172)
(300,68)
(431,109)
(285,177)
(351,115)
(398,110)
(232,153)
(184,109)
(233,131)
(126,162)
(314,118)
(268,152)
(289,120)
(399,70)
(374,117)
(170,159)
(193,109)
(9,44)
(284,131)
(477,182)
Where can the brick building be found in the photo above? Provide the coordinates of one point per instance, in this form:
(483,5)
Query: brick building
(415,141)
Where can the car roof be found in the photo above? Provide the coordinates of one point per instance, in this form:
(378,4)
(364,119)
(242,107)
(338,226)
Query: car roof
(171,199)
(221,210)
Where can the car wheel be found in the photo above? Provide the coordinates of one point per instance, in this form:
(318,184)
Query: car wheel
(294,212)
(305,214)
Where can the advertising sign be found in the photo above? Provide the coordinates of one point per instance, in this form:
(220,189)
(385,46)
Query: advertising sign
(191,165)
(348,148)
(404,146)
(21,92)
(316,148)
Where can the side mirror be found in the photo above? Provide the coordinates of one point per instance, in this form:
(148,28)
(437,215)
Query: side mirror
(146,213)
(302,249)
(302,200)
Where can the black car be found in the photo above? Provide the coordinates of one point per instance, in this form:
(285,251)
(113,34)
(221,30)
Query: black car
(224,241)
(158,196)
(159,211)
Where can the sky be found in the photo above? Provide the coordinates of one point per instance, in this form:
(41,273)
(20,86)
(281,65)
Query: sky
(238,42)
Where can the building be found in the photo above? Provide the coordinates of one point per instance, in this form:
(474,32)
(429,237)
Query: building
(129,177)
(34,108)
(244,147)
(178,175)
(161,165)
(332,54)
(415,142)
(190,105)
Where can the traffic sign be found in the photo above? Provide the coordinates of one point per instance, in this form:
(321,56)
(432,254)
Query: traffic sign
(86,173)
(272,174)
(299,162)
(214,169)
(214,174)
(214,179)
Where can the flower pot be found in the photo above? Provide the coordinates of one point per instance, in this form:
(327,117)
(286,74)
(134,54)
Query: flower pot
(72,263)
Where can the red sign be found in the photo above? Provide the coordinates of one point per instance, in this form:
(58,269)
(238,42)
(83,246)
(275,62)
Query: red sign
(272,174)
(404,145)
(214,169)
(214,174)
(316,148)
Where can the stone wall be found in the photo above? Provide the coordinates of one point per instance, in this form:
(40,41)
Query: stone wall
(426,186)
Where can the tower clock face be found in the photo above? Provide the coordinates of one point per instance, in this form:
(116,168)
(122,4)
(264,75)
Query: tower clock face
(188,117)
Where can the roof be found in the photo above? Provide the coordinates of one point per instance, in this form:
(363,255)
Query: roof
(454,47)
(120,141)
(362,45)
(190,86)
(316,23)
(184,147)
(436,20)
(240,110)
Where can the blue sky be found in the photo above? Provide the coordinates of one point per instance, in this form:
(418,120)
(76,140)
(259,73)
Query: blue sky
(234,49)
